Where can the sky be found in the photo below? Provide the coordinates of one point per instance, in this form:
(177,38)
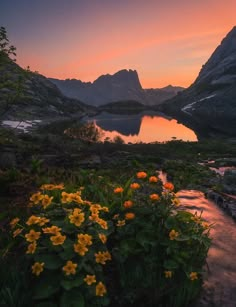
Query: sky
(166,41)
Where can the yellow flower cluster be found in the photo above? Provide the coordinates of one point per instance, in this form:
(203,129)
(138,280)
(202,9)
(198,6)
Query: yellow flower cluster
(102,257)
(95,209)
(36,220)
(37,268)
(44,199)
(77,217)
(84,240)
(71,197)
(57,238)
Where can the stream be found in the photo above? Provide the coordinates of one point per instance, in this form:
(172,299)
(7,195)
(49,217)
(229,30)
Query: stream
(219,288)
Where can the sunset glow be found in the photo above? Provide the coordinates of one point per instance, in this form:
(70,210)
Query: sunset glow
(167,42)
(155,129)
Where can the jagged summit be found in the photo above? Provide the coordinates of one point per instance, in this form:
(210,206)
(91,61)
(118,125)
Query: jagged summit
(222,62)
(209,104)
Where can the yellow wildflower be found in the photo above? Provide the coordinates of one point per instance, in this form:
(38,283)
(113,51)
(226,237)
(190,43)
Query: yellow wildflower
(32,236)
(52,230)
(80,249)
(76,218)
(168,274)
(100,257)
(84,239)
(70,268)
(90,279)
(193,275)
(32,220)
(116,216)
(58,239)
(120,223)
(154,197)
(100,289)
(37,268)
(102,237)
(66,197)
(118,190)
(129,216)
(43,221)
(173,234)
(31,248)
(46,201)
(14,222)
(196,219)
(205,225)
(17,232)
(94,217)
(153,179)
(135,186)
(128,204)
(35,198)
(52,187)
(102,223)
(107,255)
(141,175)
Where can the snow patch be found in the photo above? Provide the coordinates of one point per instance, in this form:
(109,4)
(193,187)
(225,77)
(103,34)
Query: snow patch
(25,126)
(189,107)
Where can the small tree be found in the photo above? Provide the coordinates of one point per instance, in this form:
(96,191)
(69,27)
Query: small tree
(6,50)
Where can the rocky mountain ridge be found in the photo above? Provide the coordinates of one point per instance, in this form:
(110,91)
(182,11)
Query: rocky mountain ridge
(25,95)
(209,104)
(124,85)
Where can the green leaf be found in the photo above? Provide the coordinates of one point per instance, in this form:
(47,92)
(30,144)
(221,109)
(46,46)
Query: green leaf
(171,222)
(51,262)
(171,264)
(67,254)
(68,284)
(182,238)
(47,285)
(72,298)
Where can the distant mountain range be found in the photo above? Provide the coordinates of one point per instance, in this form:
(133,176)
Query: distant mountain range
(122,86)
(209,104)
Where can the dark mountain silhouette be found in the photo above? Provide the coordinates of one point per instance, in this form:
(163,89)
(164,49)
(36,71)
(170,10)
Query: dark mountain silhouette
(209,104)
(122,86)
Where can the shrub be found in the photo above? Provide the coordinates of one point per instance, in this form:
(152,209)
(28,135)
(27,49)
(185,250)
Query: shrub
(141,250)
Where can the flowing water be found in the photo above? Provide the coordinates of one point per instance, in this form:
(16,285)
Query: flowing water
(219,288)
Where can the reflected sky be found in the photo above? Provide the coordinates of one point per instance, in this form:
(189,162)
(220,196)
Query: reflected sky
(144,128)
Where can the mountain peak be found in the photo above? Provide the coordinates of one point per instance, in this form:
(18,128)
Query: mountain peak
(222,61)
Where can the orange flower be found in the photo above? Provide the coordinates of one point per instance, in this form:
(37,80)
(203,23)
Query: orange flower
(128,204)
(54,230)
(35,198)
(129,216)
(31,248)
(173,234)
(89,279)
(100,289)
(32,236)
(70,268)
(14,222)
(102,237)
(80,249)
(154,197)
(141,175)
(193,276)
(17,232)
(58,239)
(37,268)
(168,274)
(46,201)
(118,190)
(153,179)
(169,186)
(135,186)
(84,239)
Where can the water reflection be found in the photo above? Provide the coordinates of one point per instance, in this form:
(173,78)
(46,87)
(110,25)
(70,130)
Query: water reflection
(219,283)
(142,127)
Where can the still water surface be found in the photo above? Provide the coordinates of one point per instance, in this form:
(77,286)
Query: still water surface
(144,127)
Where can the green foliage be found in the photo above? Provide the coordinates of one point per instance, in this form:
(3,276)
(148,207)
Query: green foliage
(157,251)
(6,50)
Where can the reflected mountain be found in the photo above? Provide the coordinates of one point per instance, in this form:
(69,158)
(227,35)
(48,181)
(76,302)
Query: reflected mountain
(145,127)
